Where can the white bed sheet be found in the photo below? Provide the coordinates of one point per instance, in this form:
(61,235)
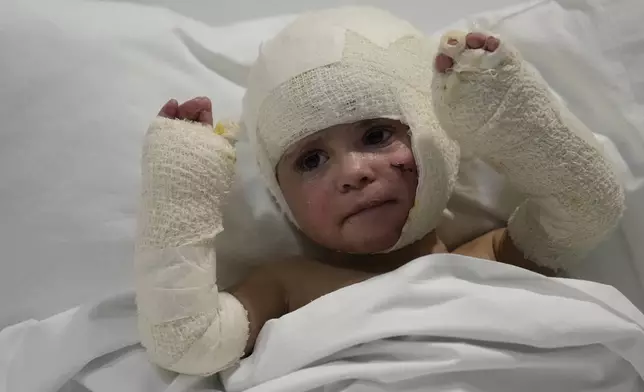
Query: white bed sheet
(419,12)
(452,323)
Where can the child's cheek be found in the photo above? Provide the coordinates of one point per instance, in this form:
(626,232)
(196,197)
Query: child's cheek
(315,202)
(317,195)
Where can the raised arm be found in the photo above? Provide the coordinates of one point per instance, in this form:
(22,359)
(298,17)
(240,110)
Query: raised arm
(502,111)
(185,324)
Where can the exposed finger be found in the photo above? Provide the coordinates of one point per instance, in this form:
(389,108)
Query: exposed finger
(205,103)
(189,110)
(443,62)
(475,40)
(205,117)
(170,109)
(492,44)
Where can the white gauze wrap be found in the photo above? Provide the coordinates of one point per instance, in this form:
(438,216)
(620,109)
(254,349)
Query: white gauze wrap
(185,324)
(344,65)
(500,110)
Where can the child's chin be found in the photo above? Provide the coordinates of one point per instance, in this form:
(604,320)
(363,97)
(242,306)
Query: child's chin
(371,241)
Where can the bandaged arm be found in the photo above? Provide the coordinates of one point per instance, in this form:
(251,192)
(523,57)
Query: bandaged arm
(185,324)
(508,117)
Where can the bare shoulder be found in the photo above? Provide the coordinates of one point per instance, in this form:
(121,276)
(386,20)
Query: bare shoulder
(497,245)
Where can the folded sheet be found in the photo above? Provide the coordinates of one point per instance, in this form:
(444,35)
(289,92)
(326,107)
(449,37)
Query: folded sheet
(453,323)
(442,322)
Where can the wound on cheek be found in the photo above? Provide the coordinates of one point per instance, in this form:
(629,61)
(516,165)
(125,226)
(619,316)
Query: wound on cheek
(402,167)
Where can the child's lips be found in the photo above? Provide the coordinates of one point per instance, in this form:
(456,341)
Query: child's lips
(367,207)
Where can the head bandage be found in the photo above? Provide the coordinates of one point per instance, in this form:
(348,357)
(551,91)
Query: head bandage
(341,66)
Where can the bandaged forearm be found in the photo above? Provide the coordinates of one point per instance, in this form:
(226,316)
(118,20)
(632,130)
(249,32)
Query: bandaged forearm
(185,324)
(508,117)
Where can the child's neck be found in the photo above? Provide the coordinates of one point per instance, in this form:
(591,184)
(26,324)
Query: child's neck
(386,262)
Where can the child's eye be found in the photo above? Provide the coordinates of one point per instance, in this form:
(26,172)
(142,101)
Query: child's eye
(376,135)
(311,160)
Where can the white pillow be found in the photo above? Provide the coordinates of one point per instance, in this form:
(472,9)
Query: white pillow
(79,83)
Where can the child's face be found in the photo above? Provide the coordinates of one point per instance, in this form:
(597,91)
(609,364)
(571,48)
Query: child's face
(350,187)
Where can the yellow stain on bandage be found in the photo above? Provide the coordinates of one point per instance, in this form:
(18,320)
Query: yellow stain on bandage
(220,129)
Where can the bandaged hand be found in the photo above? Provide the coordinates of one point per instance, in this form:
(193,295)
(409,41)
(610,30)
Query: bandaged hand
(185,323)
(489,100)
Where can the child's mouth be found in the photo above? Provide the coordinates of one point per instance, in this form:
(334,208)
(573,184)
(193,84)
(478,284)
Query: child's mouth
(369,208)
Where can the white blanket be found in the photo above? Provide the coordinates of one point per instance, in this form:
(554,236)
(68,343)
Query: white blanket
(440,323)
(452,323)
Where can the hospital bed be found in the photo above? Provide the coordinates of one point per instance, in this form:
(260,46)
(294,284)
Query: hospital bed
(79,82)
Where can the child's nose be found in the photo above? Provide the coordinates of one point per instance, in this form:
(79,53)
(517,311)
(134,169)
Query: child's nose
(356,172)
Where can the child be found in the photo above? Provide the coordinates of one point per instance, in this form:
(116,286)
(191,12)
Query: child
(357,125)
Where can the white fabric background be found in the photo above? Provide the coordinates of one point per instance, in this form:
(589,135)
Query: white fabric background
(419,12)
